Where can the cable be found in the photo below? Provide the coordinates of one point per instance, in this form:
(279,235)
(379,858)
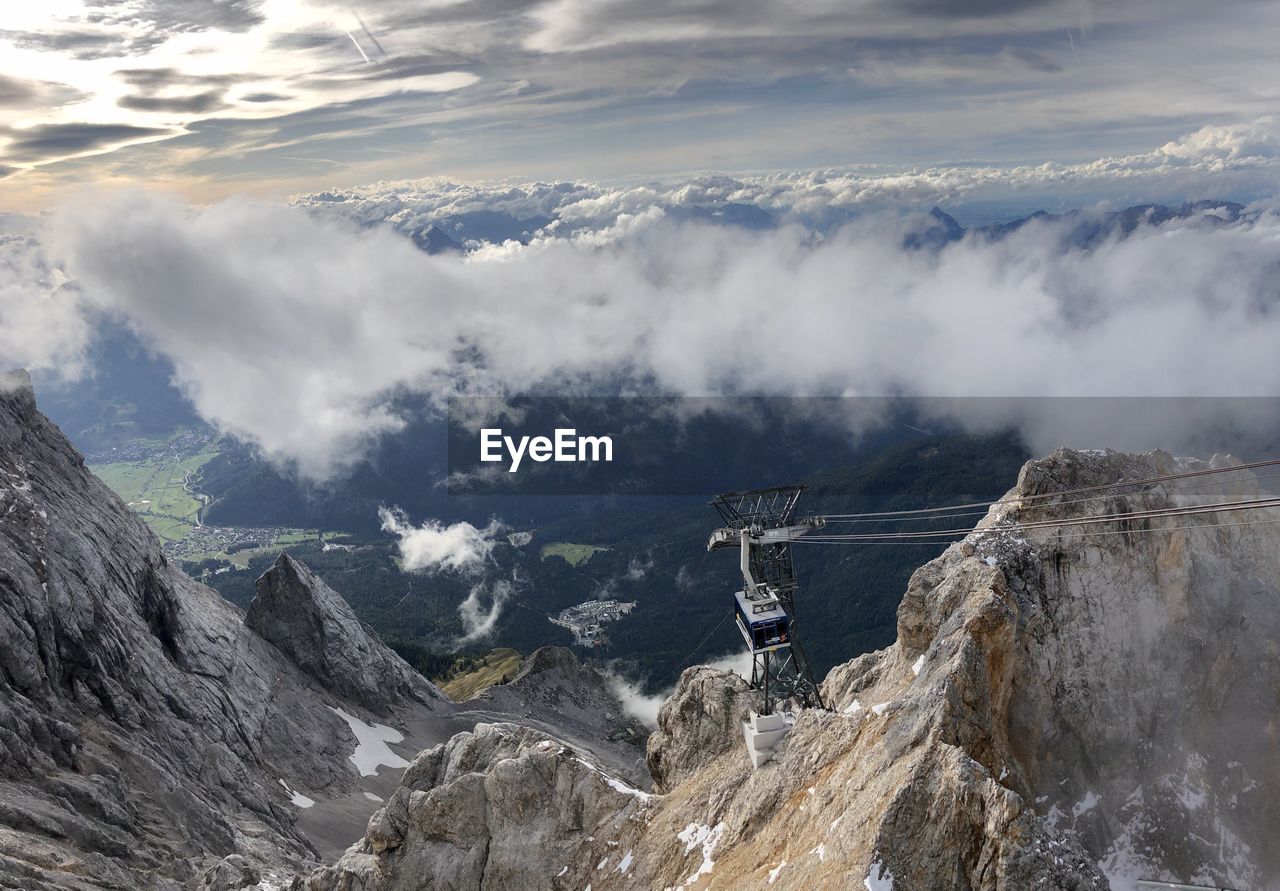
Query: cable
(1160,513)
(923,543)
(1027,498)
(1154,513)
(836,518)
(679,665)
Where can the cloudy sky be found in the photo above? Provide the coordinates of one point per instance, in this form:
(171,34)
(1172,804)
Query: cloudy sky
(275,97)
(248,186)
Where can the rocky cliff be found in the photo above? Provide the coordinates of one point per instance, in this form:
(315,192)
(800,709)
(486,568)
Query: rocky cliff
(146,733)
(1066,708)
(311,624)
(154,736)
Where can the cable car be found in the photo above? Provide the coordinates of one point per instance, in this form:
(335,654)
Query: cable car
(764,623)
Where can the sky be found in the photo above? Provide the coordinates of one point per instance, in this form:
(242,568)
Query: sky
(213,98)
(629,188)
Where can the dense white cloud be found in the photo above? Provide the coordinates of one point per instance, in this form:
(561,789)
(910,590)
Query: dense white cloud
(1213,160)
(294,331)
(457,547)
(460,547)
(42,321)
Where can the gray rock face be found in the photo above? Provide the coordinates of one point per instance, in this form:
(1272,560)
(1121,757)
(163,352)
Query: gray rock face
(503,806)
(145,731)
(554,692)
(1062,709)
(311,624)
(700,721)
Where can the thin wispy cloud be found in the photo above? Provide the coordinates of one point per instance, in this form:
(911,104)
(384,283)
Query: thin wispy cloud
(216,97)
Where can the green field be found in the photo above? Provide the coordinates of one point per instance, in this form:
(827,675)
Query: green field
(569,552)
(155,488)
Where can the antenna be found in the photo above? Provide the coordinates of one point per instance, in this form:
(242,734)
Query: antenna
(762,523)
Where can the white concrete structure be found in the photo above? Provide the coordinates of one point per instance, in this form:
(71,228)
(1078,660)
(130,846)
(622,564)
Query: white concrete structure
(762,734)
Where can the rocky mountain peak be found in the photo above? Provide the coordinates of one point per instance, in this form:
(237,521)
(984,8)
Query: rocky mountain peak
(146,733)
(311,624)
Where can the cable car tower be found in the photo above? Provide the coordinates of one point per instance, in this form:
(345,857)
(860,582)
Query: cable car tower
(761,523)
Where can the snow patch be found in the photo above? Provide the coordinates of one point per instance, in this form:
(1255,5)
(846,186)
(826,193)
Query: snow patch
(372,750)
(708,837)
(625,865)
(821,851)
(1086,804)
(773,873)
(919,664)
(616,784)
(878,877)
(298,799)
(372,797)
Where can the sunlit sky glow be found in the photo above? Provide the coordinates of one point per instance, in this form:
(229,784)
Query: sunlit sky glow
(215,97)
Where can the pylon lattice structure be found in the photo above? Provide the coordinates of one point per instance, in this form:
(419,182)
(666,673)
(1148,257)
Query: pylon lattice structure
(762,523)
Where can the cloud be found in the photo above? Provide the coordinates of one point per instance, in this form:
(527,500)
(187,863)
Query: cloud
(479,619)
(34,144)
(628,88)
(635,702)
(295,332)
(1207,161)
(22,93)
(637,569)
(644,707)
(459,547)
(192,103)
(44,323)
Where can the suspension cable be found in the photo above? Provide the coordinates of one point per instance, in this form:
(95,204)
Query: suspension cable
(1122,484)
(922,543)
(839,518)
(1152,514)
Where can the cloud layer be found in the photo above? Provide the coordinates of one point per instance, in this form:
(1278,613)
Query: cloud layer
(213,98)
(295,332)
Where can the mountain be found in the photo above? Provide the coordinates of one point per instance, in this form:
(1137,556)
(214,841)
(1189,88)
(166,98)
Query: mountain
(311,624)
(149,732)
(1065,707)
(1084,229)
(156,736)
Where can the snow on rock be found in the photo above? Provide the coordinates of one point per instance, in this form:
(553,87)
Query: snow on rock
(372,750)
(298,799)
(1099,708)
(878,878)
(707,837)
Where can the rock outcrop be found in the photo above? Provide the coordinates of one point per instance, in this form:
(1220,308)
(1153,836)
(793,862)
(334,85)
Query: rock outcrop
(554,692)
(503,806)
(146,734)
(311,624)
(1065,707)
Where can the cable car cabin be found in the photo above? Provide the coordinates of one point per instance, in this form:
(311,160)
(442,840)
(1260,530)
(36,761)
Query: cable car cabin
(763,623)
